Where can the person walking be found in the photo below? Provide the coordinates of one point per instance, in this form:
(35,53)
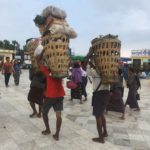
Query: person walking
(77,78)
(36,92)
(133,84)
(116,100)
(100,99)
(7,70)
(16,72)
(125,72)
(1,64)
(54,95)
(84,81)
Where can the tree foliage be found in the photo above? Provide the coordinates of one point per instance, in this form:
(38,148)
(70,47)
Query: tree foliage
(6,44)
(24,48)
(16,45)
(1,44)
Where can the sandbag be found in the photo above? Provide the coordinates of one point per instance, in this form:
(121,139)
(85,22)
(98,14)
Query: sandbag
(54,12)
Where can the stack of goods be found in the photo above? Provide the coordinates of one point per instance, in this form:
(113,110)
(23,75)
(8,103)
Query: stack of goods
(106,54)
(55,39)
(32,45)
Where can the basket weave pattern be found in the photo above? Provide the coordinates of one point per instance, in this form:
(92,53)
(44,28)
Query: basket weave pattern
(106,56)
(31,46)
(56,54)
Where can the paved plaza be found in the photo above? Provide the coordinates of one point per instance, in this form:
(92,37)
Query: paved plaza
(19,132)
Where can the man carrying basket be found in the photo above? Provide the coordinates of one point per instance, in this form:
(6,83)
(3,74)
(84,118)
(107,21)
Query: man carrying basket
(103,66)
(100,99)
(54,95)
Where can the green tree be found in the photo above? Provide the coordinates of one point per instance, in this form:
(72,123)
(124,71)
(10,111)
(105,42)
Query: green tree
(24,48)
(11,47)
(16,45)
(1,44)
(6,44)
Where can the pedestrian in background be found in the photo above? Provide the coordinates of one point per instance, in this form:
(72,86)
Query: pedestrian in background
(36,92)
(77,78)
(125,72)
(7,70)
(84,81)
(16,72)
(116,100)
(133,84)
(1,64)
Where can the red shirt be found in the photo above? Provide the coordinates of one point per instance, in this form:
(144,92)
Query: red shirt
(54,87)
(7,67)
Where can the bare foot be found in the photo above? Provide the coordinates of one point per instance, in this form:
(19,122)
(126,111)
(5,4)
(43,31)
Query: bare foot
(56,137)
(122,118)
(100,140)
(33,115)
(137,109)
(85,99)
(106,112)
(105,134)
(46,132)
(39,115)
(81,102)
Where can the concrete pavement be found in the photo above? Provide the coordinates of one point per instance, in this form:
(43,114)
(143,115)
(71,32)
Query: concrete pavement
(19,132)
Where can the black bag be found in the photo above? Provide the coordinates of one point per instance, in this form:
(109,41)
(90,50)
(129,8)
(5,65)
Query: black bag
(137,96)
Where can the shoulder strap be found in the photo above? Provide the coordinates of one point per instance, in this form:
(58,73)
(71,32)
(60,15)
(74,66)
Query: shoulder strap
(98,86)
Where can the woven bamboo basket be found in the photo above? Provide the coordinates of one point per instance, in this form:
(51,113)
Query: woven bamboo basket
(31,46)
(106,54)
(56,54)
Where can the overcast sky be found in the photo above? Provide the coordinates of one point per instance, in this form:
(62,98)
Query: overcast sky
(130,19)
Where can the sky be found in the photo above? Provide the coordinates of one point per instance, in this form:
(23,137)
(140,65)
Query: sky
(129,19)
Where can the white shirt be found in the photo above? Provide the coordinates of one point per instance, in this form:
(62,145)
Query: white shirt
(96,80)
(143,74)
(84,73)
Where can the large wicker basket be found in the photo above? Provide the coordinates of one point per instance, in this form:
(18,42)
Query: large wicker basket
(31,46)
(56,54)
(106,55)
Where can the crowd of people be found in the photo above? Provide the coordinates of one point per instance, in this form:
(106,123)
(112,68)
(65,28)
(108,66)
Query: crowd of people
(48,92)
(106,97)
(11,67)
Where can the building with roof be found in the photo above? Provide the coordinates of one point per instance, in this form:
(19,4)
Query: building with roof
(141,58)
(7,53)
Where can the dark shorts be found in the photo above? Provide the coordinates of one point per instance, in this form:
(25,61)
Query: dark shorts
(100,100)
(56,103)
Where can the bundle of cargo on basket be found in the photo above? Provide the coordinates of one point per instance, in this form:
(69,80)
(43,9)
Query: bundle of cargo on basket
(55,35)
(105,54)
